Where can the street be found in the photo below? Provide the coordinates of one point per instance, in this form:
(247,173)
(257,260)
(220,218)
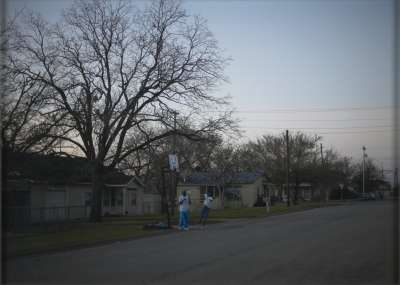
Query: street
(349,244)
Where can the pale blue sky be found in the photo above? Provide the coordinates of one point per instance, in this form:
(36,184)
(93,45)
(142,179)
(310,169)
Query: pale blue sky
(309,54)
(303,55)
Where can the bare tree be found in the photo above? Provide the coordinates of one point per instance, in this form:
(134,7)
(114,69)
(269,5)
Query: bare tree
(269,153)
(24,118)
(372,176)
(116,71)
(27,126)
(302,152)
(196,151)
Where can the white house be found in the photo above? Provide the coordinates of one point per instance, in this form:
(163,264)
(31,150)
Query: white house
(130,199)
(43,189)
(240,190)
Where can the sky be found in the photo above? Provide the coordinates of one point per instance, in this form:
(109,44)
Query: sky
(321,66)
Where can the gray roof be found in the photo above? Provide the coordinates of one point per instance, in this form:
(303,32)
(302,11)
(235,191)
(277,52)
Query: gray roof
(246,177)
(208,178)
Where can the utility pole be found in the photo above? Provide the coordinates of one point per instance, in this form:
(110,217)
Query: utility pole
(174,137)
(322,154)
(287,168)
(165,199)
(363,170)
(175,172)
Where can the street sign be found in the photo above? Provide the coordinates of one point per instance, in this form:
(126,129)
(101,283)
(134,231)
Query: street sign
(173,162)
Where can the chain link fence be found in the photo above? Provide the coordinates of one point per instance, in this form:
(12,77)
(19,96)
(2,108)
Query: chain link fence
(20,217)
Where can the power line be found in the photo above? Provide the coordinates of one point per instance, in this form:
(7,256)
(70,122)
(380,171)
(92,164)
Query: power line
(350,133)
(315,120)
(325,128)
(307,110)
(354,132)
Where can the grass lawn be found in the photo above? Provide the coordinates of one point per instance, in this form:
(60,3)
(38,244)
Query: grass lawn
(261,212)
(120,228)
(71,236)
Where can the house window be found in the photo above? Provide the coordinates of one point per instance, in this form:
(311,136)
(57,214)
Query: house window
(56,189)
(113,198)
(133,199)
(119,198)
(106,199)
(213,191)
(203,190)
(107,203)
(88,198)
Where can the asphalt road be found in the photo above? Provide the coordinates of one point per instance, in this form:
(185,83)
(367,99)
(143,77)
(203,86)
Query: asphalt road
(348,244)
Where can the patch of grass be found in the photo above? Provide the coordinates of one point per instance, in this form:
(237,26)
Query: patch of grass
(120,228)
(260,212)
(84,234)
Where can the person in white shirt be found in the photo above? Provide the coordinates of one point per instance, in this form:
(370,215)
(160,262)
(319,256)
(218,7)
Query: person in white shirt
(184,202)
(206,208)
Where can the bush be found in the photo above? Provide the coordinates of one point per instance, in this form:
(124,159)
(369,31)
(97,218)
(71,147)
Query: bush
(336,194)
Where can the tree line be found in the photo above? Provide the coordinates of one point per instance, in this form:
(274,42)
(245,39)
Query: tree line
(326,170)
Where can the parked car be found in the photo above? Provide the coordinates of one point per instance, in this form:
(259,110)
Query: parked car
(368,196)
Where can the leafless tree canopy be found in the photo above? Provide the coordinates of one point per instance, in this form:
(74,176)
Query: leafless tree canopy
(108,76)
(26,117)
(118,72)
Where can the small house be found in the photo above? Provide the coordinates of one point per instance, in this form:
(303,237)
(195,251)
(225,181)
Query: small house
(238,190)
(43,188)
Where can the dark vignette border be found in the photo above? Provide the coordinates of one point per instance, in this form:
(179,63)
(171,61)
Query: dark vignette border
(396,80)
(3,8)
(396,133)
(2,80)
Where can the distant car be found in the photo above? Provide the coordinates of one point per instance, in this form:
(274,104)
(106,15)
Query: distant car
(367,196)
(364,197)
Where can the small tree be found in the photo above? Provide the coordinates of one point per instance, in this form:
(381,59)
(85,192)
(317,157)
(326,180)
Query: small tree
(372,174)
(269,152)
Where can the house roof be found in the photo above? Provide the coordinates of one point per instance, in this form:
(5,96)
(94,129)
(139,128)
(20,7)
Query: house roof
(199,178)
(208,178)
(136,181)
(246,177)
(56,169)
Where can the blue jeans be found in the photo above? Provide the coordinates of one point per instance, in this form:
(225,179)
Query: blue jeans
(183,219)
(204,214)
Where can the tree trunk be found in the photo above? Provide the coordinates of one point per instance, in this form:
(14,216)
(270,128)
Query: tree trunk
(312,193)
(173,189)
(97,188)
(296,190)
(4,170)
(164,202)
(222,197)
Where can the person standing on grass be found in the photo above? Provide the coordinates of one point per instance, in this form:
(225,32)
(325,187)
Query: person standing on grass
(184,202)
(206,208)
